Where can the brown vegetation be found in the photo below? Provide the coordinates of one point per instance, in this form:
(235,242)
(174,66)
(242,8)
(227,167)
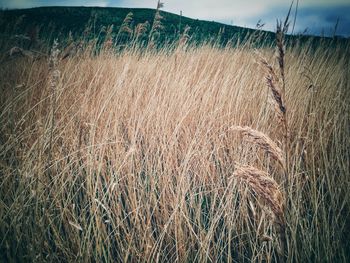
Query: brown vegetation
(132,156)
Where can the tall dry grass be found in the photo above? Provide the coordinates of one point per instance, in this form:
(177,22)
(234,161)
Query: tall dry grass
(132,157)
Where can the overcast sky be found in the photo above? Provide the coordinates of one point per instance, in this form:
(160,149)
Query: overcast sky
(315,16)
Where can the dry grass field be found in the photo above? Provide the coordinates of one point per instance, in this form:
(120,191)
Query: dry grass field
(198,154)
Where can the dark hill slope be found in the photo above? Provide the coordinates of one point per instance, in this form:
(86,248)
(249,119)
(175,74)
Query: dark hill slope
(59,21)
(75,19)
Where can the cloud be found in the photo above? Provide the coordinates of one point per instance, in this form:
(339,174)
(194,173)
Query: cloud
(205,9)
(323,20)
(314,19)
(12,4)
(15,4)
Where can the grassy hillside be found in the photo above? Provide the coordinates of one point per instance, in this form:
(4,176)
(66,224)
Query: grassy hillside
(75,19)
(56,22)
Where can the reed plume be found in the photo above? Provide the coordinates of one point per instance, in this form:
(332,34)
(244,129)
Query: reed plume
(108,43)
(125,27)
(276,95)
(262,141)
(157,26)
(267,189)
(184,37)
(282,29)
(141,29)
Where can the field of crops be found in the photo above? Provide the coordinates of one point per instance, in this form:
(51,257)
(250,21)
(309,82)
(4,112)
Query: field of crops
(175,153)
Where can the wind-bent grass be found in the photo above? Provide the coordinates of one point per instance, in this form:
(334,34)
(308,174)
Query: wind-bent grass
(140,163)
